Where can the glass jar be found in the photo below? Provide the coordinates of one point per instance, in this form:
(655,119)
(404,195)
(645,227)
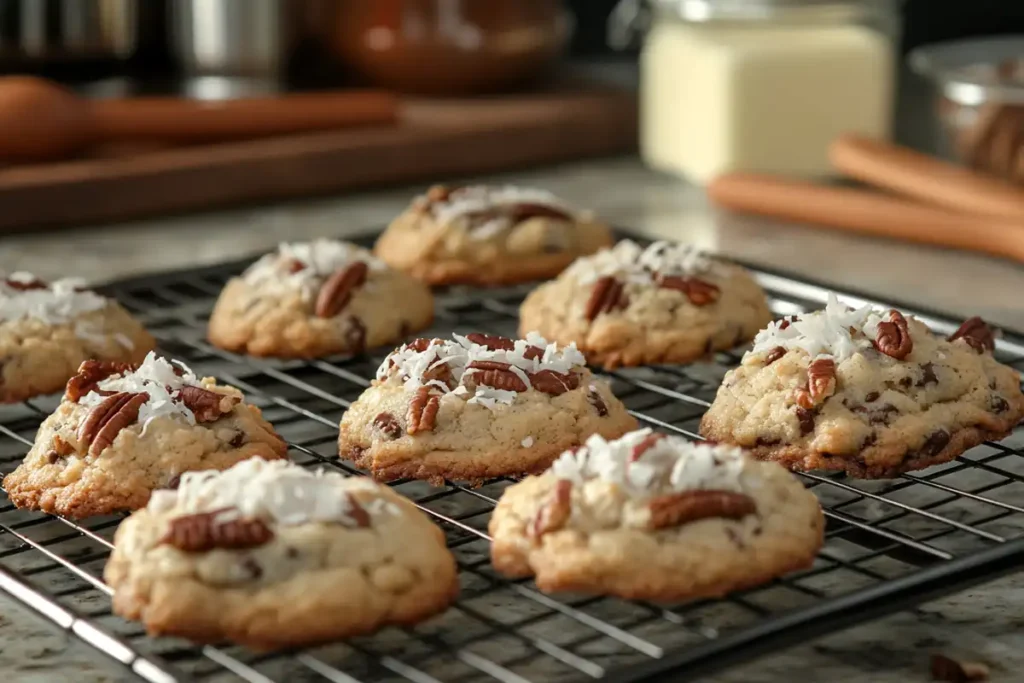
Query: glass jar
(762,85)
(450,47)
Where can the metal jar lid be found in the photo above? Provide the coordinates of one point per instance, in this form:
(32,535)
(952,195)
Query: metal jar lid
(972,72)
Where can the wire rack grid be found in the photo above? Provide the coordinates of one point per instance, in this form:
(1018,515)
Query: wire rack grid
(889,544)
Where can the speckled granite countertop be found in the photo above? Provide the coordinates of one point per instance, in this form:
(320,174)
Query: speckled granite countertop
(983,623)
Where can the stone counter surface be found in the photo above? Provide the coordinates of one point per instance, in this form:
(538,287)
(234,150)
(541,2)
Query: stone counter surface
(983,623)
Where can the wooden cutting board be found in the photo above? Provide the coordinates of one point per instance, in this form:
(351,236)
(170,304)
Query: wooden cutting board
(435,139)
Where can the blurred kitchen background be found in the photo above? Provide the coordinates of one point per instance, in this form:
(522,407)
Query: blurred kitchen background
(325,96)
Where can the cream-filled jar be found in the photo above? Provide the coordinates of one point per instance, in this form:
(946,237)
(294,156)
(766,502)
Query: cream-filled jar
(763,85)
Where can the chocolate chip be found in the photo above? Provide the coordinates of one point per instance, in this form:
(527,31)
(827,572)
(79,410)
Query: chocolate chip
(291,553)
(905,382)
(806,419)
(872,396)
(594,399)
(927,375)
(52,457)
(253,568)
(770,441)
(355,336)
(870,440)
(882,414)
(935,442)
(174,482)
(735,538)
(998,404)
(827,455)
(238,439)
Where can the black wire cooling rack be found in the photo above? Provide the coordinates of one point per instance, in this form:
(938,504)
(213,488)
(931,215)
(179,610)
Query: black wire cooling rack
(889,544)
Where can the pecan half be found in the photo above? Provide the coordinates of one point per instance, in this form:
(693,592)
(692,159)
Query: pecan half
(495,374)
(554,383)
(92,372)
(524,211)
(699,292)
(773,355)
(492,342)
(294,265)
(21,286)
(806,419)
(554,513)
(821,383)
(977,334)
(337,290)
(388,425)
(103,423)
(206,405)
(608,295)
(423,411)
(676,509)
(645,445)
(201,532)
(893,338)
(357,512)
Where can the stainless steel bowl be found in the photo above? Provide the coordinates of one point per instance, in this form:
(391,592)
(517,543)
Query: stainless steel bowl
(39,32)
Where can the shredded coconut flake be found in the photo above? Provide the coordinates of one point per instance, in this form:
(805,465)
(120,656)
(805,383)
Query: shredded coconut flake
(629,261)
(278,491)
(527,442)
(671,464)
(157,378)
(57,304)
(319,259)
(411,367)
(481,198)
(824,333)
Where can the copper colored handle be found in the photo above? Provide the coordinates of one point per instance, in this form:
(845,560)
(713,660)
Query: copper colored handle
(189,121)
(922,177)
(866,212)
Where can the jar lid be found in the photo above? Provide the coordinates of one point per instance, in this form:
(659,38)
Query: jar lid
(973,72)
(716,10)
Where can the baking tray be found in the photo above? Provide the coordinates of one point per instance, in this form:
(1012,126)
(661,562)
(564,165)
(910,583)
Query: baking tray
(889,544)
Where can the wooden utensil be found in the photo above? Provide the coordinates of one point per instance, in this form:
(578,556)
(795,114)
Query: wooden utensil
(926,178)
(866,212)
(41,120)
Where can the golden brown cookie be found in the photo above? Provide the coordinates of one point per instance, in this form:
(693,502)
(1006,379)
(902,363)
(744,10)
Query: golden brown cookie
(270,555)
(488,236)
(868,391)
(318,298)
(630,305)
(477,407)
(655,517)
(47,330)
(122,431)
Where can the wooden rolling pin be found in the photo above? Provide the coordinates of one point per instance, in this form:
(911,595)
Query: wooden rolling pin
(41,120)
(926,178)
(866,212)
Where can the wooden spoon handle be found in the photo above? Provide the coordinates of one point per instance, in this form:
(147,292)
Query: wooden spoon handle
(191,121)
(866,212)
(923,177)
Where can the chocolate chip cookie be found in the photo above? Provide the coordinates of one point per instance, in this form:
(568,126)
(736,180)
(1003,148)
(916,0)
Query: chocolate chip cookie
(122,431)
(630,305)
(489,236)
(47,330)
(270,555)
(868,391)
(318,298)
(476,407)
(654,517)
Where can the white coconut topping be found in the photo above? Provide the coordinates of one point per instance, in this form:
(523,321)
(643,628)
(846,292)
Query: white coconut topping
(477,199)
(319,259)
(628,261)
(527,442)
(672,464)
(272,490)
(410,367)
(57,304)
(837,332)
(157,378)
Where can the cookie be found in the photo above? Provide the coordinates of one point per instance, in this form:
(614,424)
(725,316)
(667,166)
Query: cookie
(270,555)
(122,431)
(630,305)
(316,299)
(868,391)
(477,407)
(655,517)
(488,236)
(47,330)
